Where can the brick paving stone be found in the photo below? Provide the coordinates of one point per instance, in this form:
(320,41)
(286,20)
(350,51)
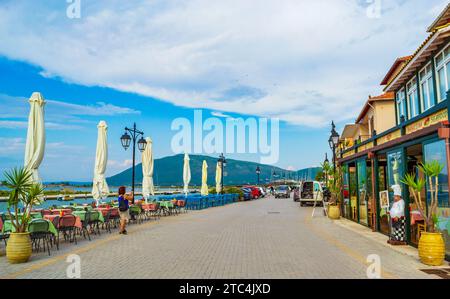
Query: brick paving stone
(267,238)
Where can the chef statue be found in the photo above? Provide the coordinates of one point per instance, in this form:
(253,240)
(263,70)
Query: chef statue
(397,215)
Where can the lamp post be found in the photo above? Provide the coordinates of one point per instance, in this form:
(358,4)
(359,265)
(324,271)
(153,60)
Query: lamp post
(223,162)
(258,172)
(325,164)
(133,136)
(333,142)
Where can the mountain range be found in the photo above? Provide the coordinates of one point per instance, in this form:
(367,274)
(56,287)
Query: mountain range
(168,171)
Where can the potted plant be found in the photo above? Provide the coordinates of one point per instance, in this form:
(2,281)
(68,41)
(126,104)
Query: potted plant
(22,192)
(334,186)
(431,242)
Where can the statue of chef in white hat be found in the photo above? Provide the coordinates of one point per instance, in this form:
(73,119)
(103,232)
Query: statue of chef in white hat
(397,215)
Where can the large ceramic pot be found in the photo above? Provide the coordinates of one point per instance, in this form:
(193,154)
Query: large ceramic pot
(18,249)
(334,212)
(431,249)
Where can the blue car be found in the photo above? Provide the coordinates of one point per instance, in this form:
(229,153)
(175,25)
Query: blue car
(247,193)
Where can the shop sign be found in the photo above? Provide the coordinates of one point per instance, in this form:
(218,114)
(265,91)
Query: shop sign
(365,146)
(427,121)
(348,154)
(389,137)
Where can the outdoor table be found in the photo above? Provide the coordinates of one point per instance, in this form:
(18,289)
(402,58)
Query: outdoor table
(9,227)
(36,215)
(82,215)
(51,217)
(58,211)
(104,211)
(147,206)
(416,217)
(166,204)
(83,208)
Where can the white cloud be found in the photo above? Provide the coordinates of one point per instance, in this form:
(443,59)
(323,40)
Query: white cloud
(220,114)
(59,115)
(305,62)
(11,146)
(115,165)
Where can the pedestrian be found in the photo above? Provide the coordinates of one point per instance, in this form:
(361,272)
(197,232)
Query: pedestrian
(124,212)
(397,215)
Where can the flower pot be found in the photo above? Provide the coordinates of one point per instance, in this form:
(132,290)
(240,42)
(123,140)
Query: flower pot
(431,249)
(334,212)
(18,249)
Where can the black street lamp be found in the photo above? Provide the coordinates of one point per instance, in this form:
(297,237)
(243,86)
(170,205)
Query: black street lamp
(258,172)
(126,141)
(223,162)
(333,142)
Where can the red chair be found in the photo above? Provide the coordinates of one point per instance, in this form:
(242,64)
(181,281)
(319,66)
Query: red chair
(66,225)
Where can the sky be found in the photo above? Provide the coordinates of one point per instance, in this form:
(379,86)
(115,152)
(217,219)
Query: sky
(302,62)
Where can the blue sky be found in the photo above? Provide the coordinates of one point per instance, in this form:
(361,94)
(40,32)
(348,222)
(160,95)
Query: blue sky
(153,61)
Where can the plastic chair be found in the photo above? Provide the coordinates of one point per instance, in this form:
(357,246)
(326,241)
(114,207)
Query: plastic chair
(39,231)
(66,226)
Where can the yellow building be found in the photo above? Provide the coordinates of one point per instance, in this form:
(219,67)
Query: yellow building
(396,131)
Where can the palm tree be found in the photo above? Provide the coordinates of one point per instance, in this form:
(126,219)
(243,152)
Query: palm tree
(22,191)
(431,170)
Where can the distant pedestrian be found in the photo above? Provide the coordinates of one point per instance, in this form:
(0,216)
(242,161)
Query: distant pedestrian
(124,206)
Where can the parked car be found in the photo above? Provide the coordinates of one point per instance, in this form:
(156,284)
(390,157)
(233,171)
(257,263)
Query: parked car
(282,192)
(311,192)
(256,192)
(247,193)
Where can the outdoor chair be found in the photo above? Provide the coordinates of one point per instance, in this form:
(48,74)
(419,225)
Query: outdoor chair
(46,212)
(66,226)
(181,204)
(55,222)
(39,231)
(136,214)
(106,225)
(3,235)
(85,226)
(115,217)
(94,221)
(154,210)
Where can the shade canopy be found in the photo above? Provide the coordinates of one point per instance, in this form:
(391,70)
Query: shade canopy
(186,174)
(218,178)
(100,188)
(147,170)
(204,189)
(35,145)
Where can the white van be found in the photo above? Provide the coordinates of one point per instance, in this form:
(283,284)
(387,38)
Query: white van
(310,192)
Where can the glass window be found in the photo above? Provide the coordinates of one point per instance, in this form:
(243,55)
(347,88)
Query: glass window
(436,151)
(362,186)
(395,171)
(401,107)
(426,87)
(413,101)
(442,62)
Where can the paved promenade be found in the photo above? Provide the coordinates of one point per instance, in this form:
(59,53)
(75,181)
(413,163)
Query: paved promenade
(267,238)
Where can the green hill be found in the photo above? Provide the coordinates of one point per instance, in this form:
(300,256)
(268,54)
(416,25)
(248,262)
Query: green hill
(168,171)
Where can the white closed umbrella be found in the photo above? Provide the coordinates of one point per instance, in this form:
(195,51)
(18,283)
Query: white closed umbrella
(147,170)
(186,174)
(204,189)
(218,178)
(35,145)
(100,188)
